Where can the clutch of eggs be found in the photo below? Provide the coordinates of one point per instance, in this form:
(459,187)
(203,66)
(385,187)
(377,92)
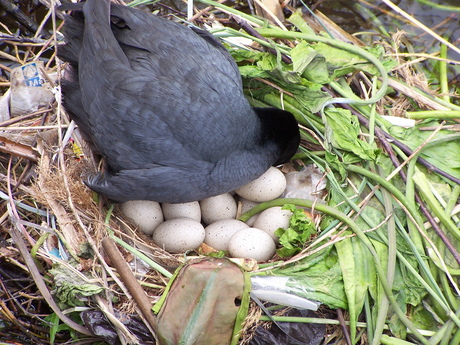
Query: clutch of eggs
(178,228)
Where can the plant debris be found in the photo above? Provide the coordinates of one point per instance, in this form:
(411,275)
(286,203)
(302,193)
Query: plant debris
(381,245)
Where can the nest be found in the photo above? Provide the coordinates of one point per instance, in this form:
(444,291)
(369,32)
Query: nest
(53,225)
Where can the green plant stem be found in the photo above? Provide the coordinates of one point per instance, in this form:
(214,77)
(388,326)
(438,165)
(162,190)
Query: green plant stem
(312,121)
(384,305)
(369,317)
(410,195)
(307,155)
(423,185)
(453,198)
(36,247)
(424,188)
(455,338)
(439,6)
(387,340)
(315,320)
(395,192)
(432,290)
(416,237)
(445,284)
(372,117)
(243,15)
(434,114)
(308,137)
(388,186)
(445,335)
(229,32)
(141,256)
(443,79)
(297,19)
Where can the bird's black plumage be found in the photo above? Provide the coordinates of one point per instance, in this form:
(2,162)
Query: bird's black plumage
(163,104)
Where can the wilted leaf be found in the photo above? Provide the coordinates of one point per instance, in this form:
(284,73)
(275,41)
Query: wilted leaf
(71,289)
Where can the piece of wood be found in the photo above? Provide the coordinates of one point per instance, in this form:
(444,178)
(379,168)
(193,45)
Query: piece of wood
(17,149)
(128,278)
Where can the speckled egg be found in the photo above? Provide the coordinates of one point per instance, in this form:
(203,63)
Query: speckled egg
(190,210)
(218,234)
(179,235)
(267,187)
(272,219)
(145,214)
(218,207)
(252,243)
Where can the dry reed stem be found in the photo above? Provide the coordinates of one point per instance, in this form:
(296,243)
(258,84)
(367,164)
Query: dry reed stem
(53,198)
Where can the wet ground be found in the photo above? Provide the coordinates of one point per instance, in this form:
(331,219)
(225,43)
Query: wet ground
(371,19)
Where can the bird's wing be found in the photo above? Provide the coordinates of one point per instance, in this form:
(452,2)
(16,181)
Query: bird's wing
(170,92)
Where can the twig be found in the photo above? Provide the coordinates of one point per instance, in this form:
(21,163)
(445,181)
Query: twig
(16,12)
(343,325)
(128,278)
(437,229)
(8,56)
(19,39)
(251,31)
(7,123)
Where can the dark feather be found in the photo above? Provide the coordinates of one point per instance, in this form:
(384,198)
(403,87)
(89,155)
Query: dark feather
(164,105)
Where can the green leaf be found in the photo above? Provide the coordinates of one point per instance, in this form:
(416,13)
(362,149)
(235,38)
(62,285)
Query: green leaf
(443,155)
(55,326)
(355,286)
(294,237)
(287,237)
(343,131)
(321,281)
(334,162)
(341,62)
(308,63)
(251,71)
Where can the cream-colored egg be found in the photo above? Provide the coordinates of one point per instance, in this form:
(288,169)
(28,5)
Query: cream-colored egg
(218,234)
(145,214)
(222,206)
(272,219)
(267,187)
(252,243)
(179,235)
(190,210)
(246,205)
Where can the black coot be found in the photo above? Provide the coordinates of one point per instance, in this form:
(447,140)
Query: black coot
(163,104)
